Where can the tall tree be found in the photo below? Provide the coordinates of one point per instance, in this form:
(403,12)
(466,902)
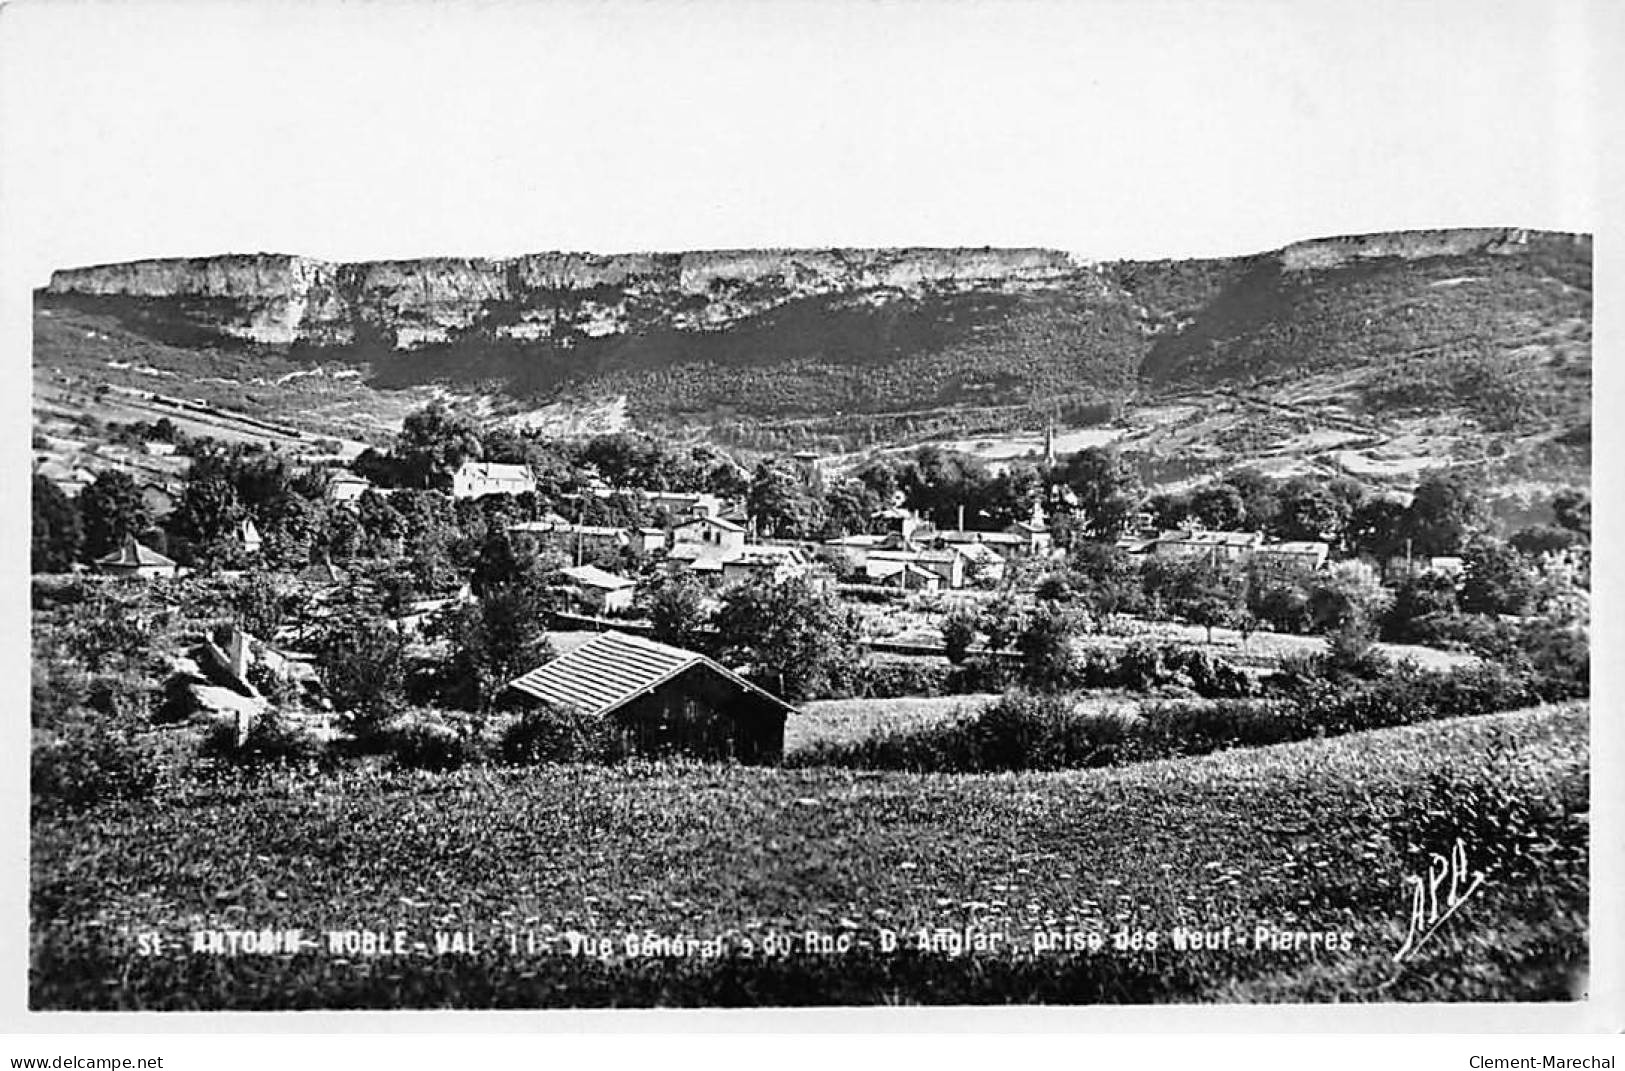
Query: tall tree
(1376,529)
(112,510)
(1048,649)
(1218,506)
(1257,495)
(1106,579)
(1307,509)
(1496,579)
(1210,595)
(434,442)
(207,515)
(677,608)
(58,533)
(800,641)
(1106,491)
(361,661)
(849,507)
(498,637)
(1348,595)
(1442,515)
(781,503)
(1170,509)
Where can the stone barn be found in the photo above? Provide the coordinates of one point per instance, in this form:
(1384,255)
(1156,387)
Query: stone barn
(663,700)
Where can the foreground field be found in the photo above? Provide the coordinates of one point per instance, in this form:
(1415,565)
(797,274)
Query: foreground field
(780,886)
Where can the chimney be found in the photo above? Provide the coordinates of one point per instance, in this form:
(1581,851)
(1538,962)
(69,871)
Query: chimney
(961,517)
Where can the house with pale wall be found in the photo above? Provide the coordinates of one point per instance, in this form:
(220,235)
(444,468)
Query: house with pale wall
(476,479)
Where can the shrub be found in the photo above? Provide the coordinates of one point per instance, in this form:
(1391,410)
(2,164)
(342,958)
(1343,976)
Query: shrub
(259,606)
(894,678)
(1197,727)
(958,633)
(1560,659)
(1146,667)
(272,740)
(362,665)
(104,633)
(549,734)
(1023,731)
(990,674)
(422,742)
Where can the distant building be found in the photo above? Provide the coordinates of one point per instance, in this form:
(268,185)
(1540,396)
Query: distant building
(949,565)
(660,700)
(1208,546)
(1034,535)
(904,522)
(705,562)
(476,479)
(1136,545)
(854,549)
(578,542)
(709,532)
(647,540)
(765,561)
(599,590)
(134,560)
(1008,545)
(983,564)
(912,577)
(346,488)
(685,503)
(1443,565)
(1300,556)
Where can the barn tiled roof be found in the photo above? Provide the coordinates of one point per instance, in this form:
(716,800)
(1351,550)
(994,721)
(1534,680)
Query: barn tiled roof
(613,668)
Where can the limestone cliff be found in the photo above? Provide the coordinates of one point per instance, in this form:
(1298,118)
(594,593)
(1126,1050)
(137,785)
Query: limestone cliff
(281,300)
(809,334)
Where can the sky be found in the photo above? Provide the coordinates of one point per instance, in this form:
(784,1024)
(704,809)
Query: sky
(1109,128)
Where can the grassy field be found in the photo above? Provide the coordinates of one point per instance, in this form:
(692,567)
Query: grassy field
(811,867)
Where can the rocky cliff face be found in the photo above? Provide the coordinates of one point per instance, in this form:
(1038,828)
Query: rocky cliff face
(808,334)
(283,300)
(1413,245)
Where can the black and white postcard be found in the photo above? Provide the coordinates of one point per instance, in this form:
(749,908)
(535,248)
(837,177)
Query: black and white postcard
(808,506)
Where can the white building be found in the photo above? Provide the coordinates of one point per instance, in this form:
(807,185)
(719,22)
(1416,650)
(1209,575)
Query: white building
(599,590)
(476,479)
(1296,555)
(711,532)
(346,488)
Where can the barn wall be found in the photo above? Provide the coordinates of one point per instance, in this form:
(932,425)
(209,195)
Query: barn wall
(705,718)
